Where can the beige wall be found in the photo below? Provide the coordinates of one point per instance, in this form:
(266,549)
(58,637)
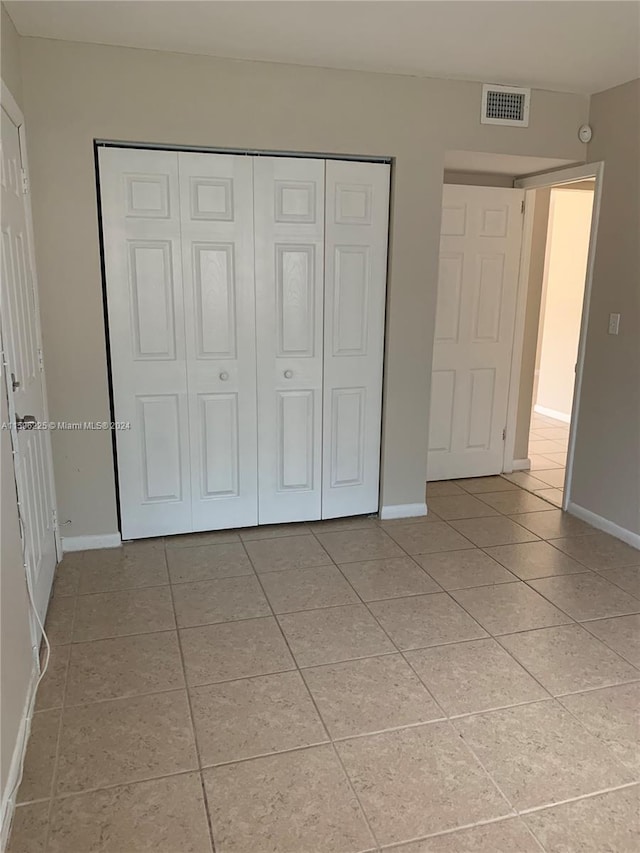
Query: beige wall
(607,459)
(563,293)
(540,199)
(15,640)
(478,179)
(76,92)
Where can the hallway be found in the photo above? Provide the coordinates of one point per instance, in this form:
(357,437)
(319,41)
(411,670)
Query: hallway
(465,682)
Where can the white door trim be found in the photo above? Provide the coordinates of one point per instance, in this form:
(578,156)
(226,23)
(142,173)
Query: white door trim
(552,179)
(15,114)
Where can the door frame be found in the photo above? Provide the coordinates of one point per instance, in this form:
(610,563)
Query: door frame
(14,112)
(530,183)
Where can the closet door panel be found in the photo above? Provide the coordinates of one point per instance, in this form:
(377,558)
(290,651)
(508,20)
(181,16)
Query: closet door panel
(142,252)
(289,245)
(357,210)
(216,199)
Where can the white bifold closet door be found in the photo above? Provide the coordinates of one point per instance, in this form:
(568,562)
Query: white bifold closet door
(178,251)
(246,321)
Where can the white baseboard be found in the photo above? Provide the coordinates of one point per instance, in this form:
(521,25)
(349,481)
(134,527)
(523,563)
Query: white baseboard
(553,413)
(604,524)
(89,543)
(403,511)
(521,465)
(8,805)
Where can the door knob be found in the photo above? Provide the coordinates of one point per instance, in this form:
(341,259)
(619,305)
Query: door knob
(27,422)
(224,376)
(288,374)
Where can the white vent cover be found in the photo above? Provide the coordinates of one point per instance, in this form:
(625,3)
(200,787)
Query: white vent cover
(505,105)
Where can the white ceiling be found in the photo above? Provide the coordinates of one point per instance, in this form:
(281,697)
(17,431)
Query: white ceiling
(571,45)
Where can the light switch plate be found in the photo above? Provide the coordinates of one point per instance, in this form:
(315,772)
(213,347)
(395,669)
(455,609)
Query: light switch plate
(614,324)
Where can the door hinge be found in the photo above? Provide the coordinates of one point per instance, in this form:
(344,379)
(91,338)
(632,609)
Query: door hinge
(54,516)
(504,434)
(522,206)
(25,182)
(40,359)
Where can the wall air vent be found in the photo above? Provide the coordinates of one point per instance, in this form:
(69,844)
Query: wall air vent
(505,105)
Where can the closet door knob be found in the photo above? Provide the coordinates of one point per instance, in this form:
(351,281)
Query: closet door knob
(288,374)
(224,376)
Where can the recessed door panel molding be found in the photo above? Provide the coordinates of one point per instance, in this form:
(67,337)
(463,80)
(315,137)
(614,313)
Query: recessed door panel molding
(143,265)
(289,261)
(246,301)
(216,207)
(482,230)
(357,217)
(24,372)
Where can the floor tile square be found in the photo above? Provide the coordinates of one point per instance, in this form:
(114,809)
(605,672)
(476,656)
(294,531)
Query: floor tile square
(394,577)
(534,560)
(60,618)
(254,716)
(525,481)
(264,805)
(66,579)
(553,477)
(510,503)
(425,620)
(460,569)
(389,524)
(370,695)
(208,562)
(553,523)
(125,740)
(286,552)
(51,690)
(158,816)
(131,566)
(613,715)
(504,836)
(587,596)
(478,485)
(229,650)
(460,506)
(209,537)
(29,829)
(568,659)
(223,600)
(440,488)
(350,546)
(124,666)
(552,496)
(599,551)
(627,578)
(40,757)
(607,823)
(621,633)
(476,676)
(559,458)
(115,614)
(506,608)
(418,781)
(337,525)
(544,446)
(274,531)
(334,634)
(307,589)
(539,754)
(428,538)
(539,463)
(485,532)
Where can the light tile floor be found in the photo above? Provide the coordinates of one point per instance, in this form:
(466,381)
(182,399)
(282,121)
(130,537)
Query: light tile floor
(468,682)
(548,442)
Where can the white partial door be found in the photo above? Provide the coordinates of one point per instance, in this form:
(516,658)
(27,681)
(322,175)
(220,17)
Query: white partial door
(143,263)
(357,213)
(477,287)
(216,197)
(22,358)
(289,261)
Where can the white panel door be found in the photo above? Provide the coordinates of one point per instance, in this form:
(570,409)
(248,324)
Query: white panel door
(480,243)
(357,214)
(289,247)
(216,196)
(142,253)
(22,359)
